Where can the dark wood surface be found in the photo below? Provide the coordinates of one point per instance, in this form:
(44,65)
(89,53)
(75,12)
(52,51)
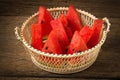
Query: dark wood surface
(16,64)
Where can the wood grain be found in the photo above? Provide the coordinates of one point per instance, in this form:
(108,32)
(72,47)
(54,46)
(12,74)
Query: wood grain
(32,78)
(15,63)
(99,8)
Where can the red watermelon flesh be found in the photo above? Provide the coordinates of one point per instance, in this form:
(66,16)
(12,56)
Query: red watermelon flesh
(64,20)
(74,20)
(69,32)
(44,18)
(60,33)
(37,36)
(52,45)
(77,44)
(97,27)
(86,33)
(65,24)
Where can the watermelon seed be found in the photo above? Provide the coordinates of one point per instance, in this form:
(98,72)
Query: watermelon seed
(66,48)
(42,22)
(46,48)
(78,51)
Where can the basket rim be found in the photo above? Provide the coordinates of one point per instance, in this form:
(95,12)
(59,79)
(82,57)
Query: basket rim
(102,40)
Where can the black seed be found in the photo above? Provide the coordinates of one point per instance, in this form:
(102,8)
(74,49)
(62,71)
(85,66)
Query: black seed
(66,48)
(46,48)
(78,51)
(42,22)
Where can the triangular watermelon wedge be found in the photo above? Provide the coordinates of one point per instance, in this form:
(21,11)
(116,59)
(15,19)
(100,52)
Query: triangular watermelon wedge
(37,36)
(52,45)
(77,44)
(60,33)
(65,24)
(86,33)
(63,20)
(44,18)
(97,27)
(74,19)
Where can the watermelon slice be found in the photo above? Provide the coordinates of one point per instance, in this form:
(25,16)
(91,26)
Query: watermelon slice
(74,20)
(97,27)
(69,32)
(65,24)
(44,18)
(64,20)
(86,33)
(77,44)
(37,36)
(52,45)
(60,33)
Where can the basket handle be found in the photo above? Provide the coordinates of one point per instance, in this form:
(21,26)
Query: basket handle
(17,33)
(107,29)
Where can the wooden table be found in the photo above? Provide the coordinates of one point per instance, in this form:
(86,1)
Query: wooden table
(16,64)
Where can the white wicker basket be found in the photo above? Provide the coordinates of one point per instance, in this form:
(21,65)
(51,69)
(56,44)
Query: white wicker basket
(62,64)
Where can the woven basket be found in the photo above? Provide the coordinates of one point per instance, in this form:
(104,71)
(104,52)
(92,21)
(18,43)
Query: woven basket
(67,63)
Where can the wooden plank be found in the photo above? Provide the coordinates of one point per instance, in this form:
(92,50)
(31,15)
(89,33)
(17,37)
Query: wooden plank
(109,8)
(33,78)
(15,62)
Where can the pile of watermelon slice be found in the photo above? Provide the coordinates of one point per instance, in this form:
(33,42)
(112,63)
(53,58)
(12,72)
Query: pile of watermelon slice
(64,35)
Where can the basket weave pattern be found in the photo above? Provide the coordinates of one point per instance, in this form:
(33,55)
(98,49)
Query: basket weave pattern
(62,64)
